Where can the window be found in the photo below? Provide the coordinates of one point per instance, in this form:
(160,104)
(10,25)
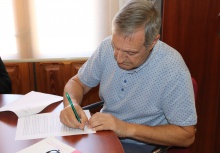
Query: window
(7,31)
(54,28)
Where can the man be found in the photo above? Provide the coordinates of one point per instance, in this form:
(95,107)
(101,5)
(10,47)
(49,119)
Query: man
(5,81)
(145,84)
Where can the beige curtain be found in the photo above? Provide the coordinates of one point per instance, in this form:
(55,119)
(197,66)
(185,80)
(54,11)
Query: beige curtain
(61,28)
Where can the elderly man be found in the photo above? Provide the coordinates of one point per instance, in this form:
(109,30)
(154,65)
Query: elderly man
(144,83)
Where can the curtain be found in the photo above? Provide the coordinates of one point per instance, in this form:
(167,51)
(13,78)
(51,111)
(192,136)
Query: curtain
(55,28)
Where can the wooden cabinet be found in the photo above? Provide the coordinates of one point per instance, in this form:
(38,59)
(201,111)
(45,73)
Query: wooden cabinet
(51,77)
(193,28)
(22,77)
(46,77)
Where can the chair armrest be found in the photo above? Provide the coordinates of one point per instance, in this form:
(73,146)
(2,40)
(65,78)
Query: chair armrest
(92,106)
(160,149)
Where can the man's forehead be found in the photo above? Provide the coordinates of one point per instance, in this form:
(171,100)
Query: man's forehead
(138,37)
(127,43)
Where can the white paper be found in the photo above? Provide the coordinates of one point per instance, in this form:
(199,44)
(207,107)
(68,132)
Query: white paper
(46,125)
(31,103)
(48,144)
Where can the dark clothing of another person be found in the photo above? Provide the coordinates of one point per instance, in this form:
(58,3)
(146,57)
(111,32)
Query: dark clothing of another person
(5,81)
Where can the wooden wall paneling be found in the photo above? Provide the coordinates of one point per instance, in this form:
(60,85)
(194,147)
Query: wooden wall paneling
(217,140)
(74,67)
(217,119)
(50,77)
(92,96)
(31,77)
(191,27)
(22,77)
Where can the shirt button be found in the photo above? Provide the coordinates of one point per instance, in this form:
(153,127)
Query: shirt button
(122,89)
(125,81)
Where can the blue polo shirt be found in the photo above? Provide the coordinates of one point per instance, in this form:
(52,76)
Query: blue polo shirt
(158,92)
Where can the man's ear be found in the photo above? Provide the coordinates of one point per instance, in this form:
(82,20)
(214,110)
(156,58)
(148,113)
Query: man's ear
(156,39)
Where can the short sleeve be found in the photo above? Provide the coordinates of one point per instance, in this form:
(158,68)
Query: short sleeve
(179,101)
(91,72)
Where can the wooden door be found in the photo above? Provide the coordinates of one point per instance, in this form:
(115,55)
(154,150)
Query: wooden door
(192,27)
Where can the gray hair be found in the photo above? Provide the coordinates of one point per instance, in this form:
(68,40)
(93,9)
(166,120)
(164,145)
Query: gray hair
(137,14)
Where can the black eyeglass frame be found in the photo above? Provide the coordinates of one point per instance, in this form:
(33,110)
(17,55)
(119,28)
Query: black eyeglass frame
(53,151)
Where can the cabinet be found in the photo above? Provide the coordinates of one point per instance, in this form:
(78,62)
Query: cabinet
(192,27)
(46,77)
(51,77)
(21,75)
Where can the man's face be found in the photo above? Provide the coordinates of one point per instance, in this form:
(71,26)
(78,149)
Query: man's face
(130,52)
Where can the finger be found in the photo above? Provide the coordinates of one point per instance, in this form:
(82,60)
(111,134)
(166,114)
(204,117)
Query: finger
(94,117)
(102,121)
(70,118)
(62,117)
(91,122)
(72,121)
(98,128)
(67,122)
(67,117)
(84,120)
(97,123)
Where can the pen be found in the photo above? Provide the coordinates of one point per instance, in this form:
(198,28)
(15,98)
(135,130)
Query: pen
(73,108)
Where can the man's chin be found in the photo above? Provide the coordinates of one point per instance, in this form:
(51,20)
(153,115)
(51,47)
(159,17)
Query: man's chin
(124,67)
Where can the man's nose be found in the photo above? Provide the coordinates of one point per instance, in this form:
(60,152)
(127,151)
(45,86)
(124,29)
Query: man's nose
(120,56)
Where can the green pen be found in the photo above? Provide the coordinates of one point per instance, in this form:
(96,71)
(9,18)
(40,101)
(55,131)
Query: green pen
(73,108)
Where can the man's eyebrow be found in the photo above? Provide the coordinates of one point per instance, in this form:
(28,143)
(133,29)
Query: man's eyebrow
(132,51)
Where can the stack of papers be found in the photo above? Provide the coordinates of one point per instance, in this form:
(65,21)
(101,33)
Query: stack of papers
(31,103)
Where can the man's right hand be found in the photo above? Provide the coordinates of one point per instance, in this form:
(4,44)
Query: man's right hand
(68,118)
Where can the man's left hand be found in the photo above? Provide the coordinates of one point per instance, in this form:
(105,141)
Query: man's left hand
(102,121)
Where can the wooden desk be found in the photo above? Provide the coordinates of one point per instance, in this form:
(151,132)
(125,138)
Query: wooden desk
(100,142)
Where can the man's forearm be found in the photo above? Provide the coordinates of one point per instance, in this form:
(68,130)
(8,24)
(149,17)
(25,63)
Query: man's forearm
(75,91)
(168,135)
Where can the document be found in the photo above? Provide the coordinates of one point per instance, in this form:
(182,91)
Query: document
(31,103)
(49,144)
(46,125)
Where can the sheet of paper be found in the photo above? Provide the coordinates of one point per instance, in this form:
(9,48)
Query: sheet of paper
(45,125)
(31,103)
(48,144)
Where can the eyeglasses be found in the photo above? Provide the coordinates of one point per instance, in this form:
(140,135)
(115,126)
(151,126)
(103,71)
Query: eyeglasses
(53,151)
